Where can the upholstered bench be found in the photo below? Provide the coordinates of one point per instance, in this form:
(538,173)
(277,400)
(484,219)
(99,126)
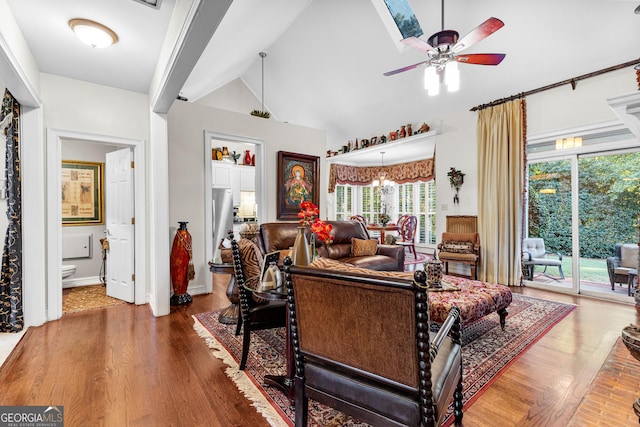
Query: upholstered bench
(475,299)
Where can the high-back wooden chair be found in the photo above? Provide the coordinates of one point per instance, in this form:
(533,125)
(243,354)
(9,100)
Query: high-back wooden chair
(462,224)
(255,313)
(407,225)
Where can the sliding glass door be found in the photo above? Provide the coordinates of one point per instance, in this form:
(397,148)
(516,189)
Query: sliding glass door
(582,203)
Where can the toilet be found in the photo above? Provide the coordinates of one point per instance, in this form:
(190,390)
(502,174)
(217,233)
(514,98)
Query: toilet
(68,271)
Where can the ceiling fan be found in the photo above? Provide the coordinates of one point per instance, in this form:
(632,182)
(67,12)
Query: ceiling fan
(443,51)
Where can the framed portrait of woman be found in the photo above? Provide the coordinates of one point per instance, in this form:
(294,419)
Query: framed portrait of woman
(298,181)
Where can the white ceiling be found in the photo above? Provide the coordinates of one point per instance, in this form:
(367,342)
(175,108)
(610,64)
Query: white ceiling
(325,58)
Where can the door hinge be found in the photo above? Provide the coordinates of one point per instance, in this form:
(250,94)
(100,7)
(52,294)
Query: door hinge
(133,164)
(133,220)
(133,277)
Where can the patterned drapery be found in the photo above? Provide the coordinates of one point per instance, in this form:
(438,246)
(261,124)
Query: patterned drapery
(11,316)
(420,170)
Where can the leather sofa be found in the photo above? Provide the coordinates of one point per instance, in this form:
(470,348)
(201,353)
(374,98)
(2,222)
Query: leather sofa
(276,236)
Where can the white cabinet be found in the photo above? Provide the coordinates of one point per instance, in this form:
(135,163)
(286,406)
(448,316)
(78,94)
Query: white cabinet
(238,178)
(247,178)
(221,174)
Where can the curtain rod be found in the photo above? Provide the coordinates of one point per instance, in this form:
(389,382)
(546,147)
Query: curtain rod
(573,82)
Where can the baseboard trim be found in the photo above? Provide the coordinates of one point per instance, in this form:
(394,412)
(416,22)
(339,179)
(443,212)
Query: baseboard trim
(81,281)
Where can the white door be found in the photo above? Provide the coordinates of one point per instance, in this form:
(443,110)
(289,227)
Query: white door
(120,225)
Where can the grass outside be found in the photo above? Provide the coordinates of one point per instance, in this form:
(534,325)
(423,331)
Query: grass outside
(591,269)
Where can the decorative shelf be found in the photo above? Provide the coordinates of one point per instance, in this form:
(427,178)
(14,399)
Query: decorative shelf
(371,154)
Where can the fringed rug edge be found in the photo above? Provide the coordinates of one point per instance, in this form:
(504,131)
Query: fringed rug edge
(240,379)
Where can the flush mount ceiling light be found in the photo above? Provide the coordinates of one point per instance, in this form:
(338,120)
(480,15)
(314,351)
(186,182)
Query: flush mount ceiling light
(93,33)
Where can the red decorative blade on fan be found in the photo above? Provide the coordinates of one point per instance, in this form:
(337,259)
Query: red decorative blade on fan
(482,31)
(481,58)
(419,44)
(407,68)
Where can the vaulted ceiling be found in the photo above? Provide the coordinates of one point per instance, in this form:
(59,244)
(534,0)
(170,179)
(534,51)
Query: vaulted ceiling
(325,58)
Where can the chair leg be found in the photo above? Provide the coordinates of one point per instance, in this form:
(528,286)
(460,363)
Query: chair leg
(561,273)
(239,324)
(302,404)
(457,402)
(246,340)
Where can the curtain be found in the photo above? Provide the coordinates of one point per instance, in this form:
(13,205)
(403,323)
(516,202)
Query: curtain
(420,170)
(11,316)
(501,165)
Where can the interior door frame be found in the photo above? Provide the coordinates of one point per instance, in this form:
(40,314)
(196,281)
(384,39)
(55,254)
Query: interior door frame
(260,178)
(54,217)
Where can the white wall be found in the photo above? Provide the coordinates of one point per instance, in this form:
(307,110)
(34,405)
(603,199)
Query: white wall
(187,124)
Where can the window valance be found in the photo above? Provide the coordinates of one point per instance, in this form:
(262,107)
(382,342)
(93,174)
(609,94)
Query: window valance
(421,170)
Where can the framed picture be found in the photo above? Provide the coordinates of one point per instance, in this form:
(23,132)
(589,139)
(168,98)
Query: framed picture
(298,181)
(82,193)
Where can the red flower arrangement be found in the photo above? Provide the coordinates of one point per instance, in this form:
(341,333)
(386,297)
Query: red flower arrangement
(309,216)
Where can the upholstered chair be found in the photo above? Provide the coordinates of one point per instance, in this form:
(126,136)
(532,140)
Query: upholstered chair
(461,248)
(624,260)
(535,253)
(255,313)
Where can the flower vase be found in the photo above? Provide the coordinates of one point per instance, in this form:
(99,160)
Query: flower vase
(300,252)
(180,266)
(247,157)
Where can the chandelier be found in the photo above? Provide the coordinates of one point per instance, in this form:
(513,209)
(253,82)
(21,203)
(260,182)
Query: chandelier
(384,185)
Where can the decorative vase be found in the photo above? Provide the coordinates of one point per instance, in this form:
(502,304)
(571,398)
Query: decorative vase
(247,157)
(409,130)
(253,160)
(434,273)
(180,265)
(403,131)
(300,252)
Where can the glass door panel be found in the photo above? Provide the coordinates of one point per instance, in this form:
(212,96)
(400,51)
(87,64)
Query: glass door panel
(549,217)
(609,191)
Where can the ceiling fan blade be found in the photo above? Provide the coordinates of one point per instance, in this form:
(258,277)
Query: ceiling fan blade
(407,68)
(482,31)
(481,58)
(419,44)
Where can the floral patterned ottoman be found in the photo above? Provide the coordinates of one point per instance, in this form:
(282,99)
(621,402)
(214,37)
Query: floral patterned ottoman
(474,298)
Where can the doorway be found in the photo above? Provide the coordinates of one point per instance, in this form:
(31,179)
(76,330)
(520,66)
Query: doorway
(583,199)
(55,139)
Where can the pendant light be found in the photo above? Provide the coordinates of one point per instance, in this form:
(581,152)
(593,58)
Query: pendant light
(262,113)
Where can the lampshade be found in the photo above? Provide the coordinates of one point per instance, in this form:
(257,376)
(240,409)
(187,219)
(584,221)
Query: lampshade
(93,33)
(452,76)
(431,81)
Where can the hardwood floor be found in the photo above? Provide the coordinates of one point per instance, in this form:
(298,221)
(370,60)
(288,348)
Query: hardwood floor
(120,366)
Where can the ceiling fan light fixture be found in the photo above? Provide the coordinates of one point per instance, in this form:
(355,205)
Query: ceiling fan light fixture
(93,33)
(431,81)
(452,76)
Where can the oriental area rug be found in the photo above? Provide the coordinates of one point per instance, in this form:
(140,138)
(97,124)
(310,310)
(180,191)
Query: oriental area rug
(487,350)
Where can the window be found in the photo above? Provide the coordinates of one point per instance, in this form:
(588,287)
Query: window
(344,202)
(418,199)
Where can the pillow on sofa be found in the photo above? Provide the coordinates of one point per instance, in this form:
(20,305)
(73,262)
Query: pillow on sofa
(457,247)
(360,247)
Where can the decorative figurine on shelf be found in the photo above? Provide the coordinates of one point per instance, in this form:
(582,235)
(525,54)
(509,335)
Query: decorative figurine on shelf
(393,136)
(456,179)
(409,130)
(403,131)
(424,128)
(180,265)
(247,157)
(383,139)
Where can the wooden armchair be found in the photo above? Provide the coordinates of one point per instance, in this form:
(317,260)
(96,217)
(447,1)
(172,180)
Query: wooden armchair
(460,247)
(362,346)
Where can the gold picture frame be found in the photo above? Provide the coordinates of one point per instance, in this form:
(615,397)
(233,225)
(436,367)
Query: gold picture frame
(82,193)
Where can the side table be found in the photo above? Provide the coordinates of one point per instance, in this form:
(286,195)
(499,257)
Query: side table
(229,315)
